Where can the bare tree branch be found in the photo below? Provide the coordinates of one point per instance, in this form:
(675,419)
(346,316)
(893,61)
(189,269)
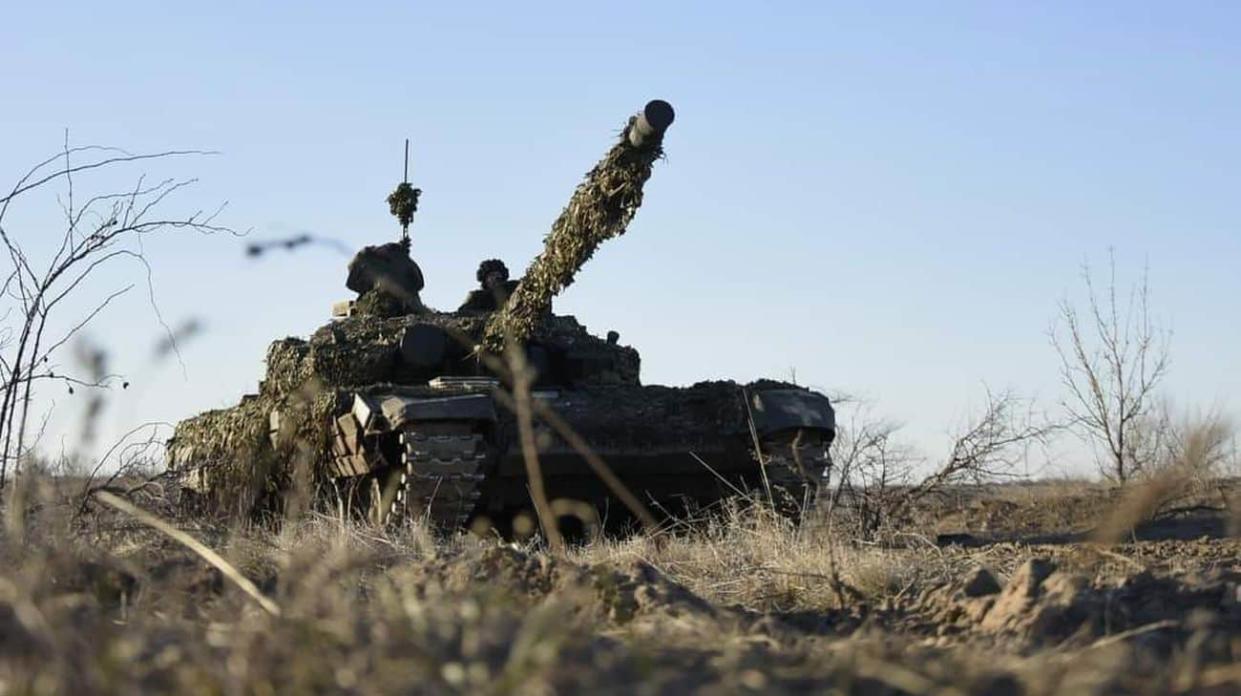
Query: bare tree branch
(24,185)
(120,220)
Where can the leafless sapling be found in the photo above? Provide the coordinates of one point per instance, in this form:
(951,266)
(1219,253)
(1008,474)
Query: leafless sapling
(97,231)
(1113,355)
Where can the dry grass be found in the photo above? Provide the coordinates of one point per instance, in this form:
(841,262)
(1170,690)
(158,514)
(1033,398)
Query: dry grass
(743,602)
(751,557)
(1189,471)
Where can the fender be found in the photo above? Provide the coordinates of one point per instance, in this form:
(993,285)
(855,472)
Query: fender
(391,412)
(787,409)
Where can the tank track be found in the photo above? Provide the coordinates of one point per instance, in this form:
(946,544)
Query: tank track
(441,478)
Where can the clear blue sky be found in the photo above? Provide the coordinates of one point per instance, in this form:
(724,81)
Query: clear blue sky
(889,201)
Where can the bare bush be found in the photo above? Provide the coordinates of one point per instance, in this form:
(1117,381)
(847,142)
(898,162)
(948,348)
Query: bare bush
(989,447)
(99,231)
(876,472)
(871,465)
(1111,361)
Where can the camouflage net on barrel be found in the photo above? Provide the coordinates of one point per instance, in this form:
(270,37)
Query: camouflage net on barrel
(601,208)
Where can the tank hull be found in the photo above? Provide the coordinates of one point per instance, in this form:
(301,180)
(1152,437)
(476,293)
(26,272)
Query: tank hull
(451,455)
(679,450)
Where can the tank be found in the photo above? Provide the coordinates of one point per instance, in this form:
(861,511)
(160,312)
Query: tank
(396,411)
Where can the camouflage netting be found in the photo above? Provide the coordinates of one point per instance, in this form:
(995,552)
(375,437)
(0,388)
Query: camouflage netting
(331,358)
(227,452)
(387,280)
(234,457)
(601,208)
(377,303)
(600,361)
(287,368)
(354,351)
(403,202)
(309,382)
(359,351)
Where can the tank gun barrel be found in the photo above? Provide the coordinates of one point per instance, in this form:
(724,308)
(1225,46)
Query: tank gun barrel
(649,125)
(600,209)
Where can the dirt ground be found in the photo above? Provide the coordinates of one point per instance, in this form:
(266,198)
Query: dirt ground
(989,590)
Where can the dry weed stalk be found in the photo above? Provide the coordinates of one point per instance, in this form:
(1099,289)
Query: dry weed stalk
(758,447)
(216,560)
(521,381)
(579,444)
